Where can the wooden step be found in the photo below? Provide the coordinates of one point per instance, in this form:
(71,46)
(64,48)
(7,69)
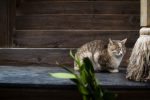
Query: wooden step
(42,56)
(78,7)
(87,21)
(69,38)
(34,83)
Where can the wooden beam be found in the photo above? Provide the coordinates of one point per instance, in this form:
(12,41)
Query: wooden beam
(41,56)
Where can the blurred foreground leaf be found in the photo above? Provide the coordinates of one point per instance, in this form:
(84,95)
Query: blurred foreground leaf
(63,75)
(86,81)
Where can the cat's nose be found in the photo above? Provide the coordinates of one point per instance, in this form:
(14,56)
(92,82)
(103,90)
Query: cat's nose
(120,53)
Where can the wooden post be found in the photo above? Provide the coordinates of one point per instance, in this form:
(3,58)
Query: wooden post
(145,13)
(145,17)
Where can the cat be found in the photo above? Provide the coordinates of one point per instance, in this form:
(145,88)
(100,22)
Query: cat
(105,56)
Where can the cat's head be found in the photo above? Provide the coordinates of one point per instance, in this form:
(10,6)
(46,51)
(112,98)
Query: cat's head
(117,48)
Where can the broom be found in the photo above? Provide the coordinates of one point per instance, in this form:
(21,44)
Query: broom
(139,63)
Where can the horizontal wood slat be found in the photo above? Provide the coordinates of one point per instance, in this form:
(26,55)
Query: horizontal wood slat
(64,94)
(77,0)
(41,56)
(71,23)
(101,22)
(39,94)
(79,7)
(69,38)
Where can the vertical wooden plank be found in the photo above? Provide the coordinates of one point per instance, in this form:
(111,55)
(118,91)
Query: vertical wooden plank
(7,13)
(3,23)
(11,21)
(145,12)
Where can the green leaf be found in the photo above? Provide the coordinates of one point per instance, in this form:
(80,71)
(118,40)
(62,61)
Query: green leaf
(63,75)
(83,89)
(76,59)
(88,65)
(71,54)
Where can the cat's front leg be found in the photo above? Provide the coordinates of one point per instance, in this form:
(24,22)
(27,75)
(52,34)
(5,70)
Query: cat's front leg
(97,67)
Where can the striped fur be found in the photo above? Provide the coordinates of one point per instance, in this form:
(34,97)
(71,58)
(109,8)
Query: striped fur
(103,55)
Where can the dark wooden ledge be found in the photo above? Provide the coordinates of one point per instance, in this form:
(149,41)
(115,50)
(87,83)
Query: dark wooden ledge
(34,83)
(35,76)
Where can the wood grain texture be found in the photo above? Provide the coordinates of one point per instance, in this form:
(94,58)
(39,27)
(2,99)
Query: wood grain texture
(69,38)
(41,56)
(79,7)
(101,22)
(78,0)
(3,23)
(7,14)
(11,21)
(39,94)
(63,94)
(70,23)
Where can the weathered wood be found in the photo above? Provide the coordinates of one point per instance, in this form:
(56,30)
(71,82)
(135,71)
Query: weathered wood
(34,83)
(132,95)
(3,23)
(63,94)
(69,38)
(39,23)
(79,7)
(41,56)
(101,22)
(80,0)
(145,12)
(7,14)
(38,94)
(38,77)
(11,21)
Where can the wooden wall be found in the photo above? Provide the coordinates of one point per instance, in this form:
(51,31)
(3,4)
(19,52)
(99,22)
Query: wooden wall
(61,24)
(70,23)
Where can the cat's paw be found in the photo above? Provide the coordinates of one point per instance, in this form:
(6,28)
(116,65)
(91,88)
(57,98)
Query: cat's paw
(114,71)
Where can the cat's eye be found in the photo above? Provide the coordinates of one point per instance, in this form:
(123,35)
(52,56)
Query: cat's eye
(114,50)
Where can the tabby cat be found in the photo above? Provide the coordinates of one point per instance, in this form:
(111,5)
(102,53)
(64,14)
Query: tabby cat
(105,56)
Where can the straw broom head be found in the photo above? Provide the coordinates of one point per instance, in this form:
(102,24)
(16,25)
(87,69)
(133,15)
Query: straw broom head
(139,63)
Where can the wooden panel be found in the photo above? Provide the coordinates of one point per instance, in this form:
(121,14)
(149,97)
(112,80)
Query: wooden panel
(64,23)
(80,0)
(68,38)
(7,14)
(34,56)
(101,22)
(11,20)
(79,7)
(38,94)
(62,94)
(133,95)
(3,23)
(41,56)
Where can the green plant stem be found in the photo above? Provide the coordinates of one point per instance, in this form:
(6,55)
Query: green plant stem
(85,97)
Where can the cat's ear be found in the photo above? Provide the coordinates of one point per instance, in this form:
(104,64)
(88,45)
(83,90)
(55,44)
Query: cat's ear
(124,41)
(110,41)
